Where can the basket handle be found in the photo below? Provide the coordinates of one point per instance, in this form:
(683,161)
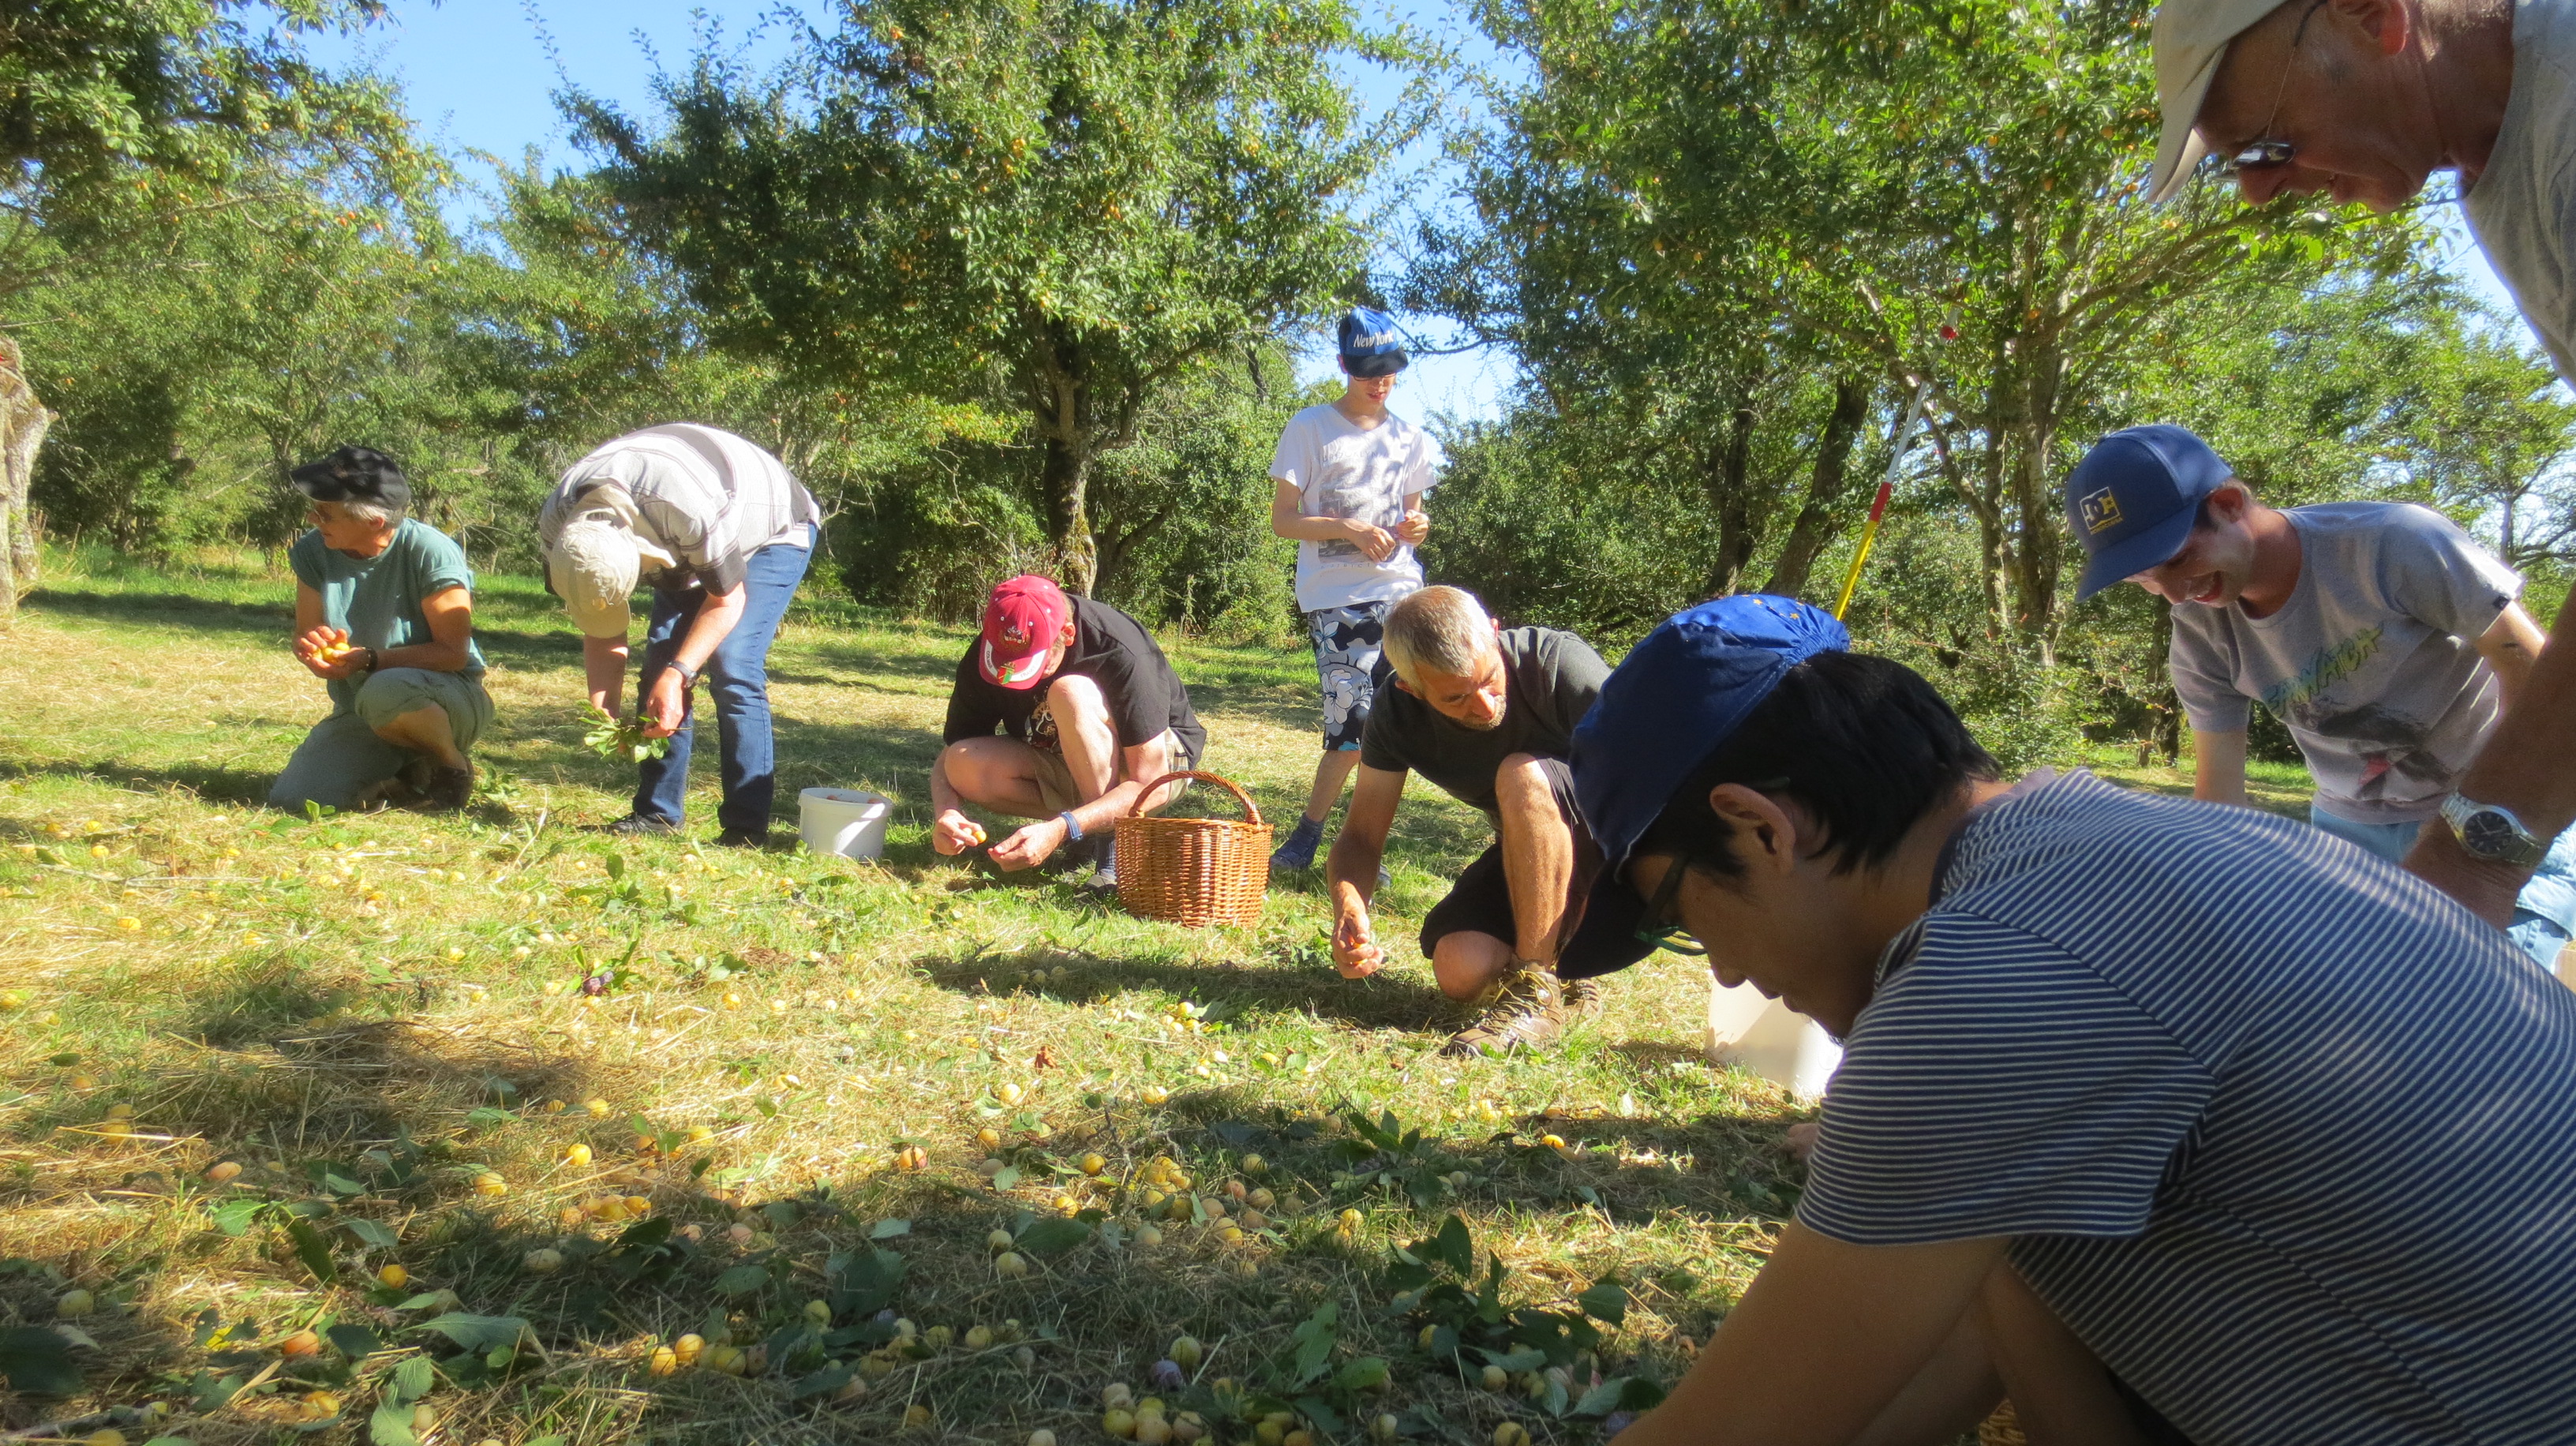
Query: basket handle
(1251,810)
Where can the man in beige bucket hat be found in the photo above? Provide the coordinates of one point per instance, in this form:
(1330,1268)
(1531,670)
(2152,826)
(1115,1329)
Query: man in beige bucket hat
(721,533)
(2363,100)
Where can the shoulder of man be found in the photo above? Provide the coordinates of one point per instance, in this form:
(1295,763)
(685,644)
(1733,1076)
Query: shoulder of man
(307,557)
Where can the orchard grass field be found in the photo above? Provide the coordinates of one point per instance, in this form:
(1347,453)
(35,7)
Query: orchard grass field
(308,1128)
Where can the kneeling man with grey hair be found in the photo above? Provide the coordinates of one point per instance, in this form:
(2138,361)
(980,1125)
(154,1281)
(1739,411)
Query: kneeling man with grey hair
(722,533)
(1488,715)
(384,616)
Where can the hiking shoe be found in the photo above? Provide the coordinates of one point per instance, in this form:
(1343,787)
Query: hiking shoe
(1102,850)
(1297,852)
(636,824)
(449,788)
(1527,1012)
(743,838)
(1582,996)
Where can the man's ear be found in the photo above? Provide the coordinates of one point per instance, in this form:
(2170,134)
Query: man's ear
(2231,501)
(1398,680)
(1766,834)
(2386,22)
(1064,635)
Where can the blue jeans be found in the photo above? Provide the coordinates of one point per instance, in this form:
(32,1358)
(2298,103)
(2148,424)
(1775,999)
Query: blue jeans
(2544,917)
(738,680)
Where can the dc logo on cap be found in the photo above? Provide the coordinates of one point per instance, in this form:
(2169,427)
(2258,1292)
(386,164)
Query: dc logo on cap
(2101,510)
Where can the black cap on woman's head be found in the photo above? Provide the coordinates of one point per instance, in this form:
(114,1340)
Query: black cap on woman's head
(354,474)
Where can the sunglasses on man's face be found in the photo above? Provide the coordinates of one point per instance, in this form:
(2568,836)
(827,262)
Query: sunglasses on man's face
(1656,928)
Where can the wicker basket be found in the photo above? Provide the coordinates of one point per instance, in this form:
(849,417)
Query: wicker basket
(1193,871)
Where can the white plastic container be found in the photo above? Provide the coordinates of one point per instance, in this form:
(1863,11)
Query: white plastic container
(1771,1039)
(843,821)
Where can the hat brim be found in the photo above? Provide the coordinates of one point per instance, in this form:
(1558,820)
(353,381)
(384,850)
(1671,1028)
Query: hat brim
(1375,366)
(2152,548)
(1606,941)
(997,670)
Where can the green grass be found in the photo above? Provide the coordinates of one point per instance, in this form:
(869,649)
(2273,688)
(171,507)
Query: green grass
(367,1014)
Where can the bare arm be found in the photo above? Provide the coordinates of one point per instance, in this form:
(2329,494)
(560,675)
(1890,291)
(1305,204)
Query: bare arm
(1289,521)
(1822,1343)
(2218,766)
(1137,767)
(1350,871)
(450,612)
(2511,646)
(2528,766)
(603,664)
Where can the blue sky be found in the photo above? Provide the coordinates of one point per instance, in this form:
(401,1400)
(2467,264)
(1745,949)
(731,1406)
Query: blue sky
(481,76)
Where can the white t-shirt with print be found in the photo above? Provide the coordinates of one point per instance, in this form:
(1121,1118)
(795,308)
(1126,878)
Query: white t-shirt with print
(1342,470)
(2372,663)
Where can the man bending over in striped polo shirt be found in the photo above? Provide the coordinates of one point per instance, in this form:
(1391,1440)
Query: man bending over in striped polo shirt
(2145,1103)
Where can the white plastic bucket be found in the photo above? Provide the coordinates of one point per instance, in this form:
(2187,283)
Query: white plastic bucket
(844,821)
(1771,1039)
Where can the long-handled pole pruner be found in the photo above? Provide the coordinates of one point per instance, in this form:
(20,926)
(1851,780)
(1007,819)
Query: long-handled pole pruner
(1886,489)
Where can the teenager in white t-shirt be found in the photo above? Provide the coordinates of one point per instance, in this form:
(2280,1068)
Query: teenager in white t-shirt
(1350,477)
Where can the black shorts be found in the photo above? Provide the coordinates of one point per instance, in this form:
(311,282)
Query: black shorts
(1481,901)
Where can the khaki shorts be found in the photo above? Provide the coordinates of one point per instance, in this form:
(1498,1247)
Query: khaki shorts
(1055,777)
(342,759)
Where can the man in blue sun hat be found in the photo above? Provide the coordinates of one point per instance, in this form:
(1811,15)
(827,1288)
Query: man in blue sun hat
(2126,1080)
(2384,637)
(1347,488)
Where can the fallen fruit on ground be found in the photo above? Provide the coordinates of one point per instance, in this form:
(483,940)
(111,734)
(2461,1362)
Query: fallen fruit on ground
(488,1183)
(222,1172)
(394,1277)
(542,1261)
(577,1155)
(302,1343)
(688,1347)
(664,1361)
(1010,1265)
(73,1304)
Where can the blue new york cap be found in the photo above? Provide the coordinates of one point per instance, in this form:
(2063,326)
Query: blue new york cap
(2133,499)
(1370,344)
(1664,709)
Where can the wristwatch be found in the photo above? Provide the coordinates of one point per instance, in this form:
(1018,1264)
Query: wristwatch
(2491,832)
(688,675)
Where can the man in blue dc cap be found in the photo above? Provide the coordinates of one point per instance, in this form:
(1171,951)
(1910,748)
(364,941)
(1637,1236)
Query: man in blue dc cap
(2142,1103)
(2385,638)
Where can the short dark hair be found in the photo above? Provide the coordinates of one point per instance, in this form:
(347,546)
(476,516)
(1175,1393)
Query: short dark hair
(1864,743)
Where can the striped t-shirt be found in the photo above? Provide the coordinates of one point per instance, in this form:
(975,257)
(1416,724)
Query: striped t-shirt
(2286,1136)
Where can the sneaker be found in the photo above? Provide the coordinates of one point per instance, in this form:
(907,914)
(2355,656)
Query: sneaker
(1527,1012)
(1582,996)
(449,788)
(635,824)
(1297,852)
(1102,850)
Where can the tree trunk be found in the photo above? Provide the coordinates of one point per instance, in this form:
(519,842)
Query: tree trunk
(2166,738)
(1064,479)
(2036,551)
(1820,516)
(23,423)
(1727,489)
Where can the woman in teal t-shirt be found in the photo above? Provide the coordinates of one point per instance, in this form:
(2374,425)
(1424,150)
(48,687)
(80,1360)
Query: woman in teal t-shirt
(384,614)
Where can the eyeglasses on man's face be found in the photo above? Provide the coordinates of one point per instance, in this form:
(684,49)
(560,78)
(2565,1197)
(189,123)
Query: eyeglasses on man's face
(2263,153)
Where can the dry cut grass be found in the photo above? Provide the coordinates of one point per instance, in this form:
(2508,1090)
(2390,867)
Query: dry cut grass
(250,1065)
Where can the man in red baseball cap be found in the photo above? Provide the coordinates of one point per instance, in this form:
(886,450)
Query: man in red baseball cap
(1064,710)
